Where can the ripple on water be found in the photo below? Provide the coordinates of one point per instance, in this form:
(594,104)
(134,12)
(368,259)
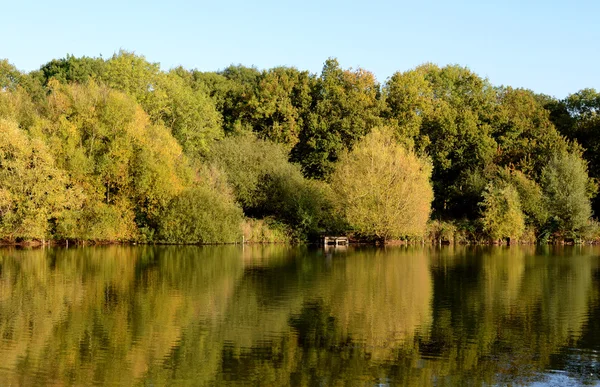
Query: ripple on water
(124,316)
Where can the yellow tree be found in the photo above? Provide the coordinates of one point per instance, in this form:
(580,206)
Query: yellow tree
(502,214)
(32,188)
(384,188)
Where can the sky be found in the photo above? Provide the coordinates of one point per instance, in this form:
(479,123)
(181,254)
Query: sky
(550,47)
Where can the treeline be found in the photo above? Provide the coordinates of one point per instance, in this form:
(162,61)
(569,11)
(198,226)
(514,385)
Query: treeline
(118,150)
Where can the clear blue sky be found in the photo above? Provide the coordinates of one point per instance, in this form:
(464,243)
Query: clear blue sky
(551,47)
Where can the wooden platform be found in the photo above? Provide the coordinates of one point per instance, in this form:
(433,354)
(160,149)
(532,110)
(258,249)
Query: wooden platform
(335,241)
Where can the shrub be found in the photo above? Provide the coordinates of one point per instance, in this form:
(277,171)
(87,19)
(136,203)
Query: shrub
(201,215)
(265,231)
(384,188)
(266,185)
(502,214)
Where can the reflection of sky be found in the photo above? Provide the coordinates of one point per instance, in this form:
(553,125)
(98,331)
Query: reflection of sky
(559,378)
(580,368)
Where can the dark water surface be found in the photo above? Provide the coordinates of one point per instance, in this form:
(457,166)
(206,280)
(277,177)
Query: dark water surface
(272,315)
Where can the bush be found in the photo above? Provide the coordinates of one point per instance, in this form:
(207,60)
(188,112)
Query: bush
(590,233)
(99,223)
(246,161)
(441,232)
(201,215)
(502,214)
(265,231)
(266,185)
(531,196)
(384,188)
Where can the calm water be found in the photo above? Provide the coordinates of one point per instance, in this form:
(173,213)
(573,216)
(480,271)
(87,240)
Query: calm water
(295,316)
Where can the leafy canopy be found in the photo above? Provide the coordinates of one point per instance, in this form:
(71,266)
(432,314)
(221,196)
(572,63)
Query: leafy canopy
(384,188)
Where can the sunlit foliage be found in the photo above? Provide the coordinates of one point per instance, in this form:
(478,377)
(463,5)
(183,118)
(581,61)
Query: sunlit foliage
(566,185)
(502,214)
(127,137)
(384,188)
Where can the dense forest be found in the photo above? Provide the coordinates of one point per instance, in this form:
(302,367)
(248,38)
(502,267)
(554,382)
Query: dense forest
(117,149)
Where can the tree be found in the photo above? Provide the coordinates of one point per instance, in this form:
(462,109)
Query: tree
(567,188)
(446,112)
(525,135)
(502,215)
(190,114)
(233,96)
(384,188)
(126,168)
(578,118)
(408,98)
(9,76)
(168,99)
(72,69)
(246,160)
(32,188)
(281,104)
(345,106)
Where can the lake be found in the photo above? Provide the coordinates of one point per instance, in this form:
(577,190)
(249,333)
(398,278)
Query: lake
(298,316)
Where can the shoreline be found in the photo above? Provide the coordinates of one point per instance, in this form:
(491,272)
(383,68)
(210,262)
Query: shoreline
(52,243)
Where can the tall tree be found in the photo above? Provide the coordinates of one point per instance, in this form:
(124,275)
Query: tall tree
(578,118)
(447,113)
(525,135)
(73,69)
(346,105)
(125,167)
(281,105)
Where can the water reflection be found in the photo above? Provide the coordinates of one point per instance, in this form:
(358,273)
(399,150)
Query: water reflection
(275,315)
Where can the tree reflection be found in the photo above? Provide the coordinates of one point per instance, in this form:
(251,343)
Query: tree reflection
(274,315)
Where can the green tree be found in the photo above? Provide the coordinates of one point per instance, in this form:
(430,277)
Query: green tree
(446,112)
(281,104)
(204,213)
(9,76)
(567,188)
(168,99)
(73,69)
(346,105)
(233,96)
(265,184)
(383,188)
(246,160)
(190,114)
(525,135)
(409,100)
(125,168)
(578,118)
